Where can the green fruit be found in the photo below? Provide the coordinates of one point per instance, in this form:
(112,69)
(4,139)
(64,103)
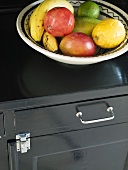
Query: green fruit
(85,25)
(89,9)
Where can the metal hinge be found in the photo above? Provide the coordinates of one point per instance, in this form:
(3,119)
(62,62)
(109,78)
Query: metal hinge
(23,142)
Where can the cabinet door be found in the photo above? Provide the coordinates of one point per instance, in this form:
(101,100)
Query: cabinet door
(102,148)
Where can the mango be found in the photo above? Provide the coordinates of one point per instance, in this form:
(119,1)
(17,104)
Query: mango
(77,44)
(85,25)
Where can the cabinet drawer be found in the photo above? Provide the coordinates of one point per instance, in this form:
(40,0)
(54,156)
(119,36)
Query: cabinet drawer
(60,118)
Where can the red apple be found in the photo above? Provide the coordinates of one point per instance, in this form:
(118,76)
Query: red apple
(59,21)
(77,44)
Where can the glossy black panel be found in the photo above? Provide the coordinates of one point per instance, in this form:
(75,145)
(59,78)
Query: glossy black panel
(26,73)
(120,3)
(7,4)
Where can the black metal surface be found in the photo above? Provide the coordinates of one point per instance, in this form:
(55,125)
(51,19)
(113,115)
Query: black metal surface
(26,73)
(120,3)
(9,5)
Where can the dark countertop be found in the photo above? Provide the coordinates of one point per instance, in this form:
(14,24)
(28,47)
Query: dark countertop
(26,73)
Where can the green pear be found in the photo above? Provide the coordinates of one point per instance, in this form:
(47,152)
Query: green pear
(85,25)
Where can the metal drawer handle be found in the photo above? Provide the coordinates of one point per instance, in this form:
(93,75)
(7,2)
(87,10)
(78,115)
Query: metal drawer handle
(109,109)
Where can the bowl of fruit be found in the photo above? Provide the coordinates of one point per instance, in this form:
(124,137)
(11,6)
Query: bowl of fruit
(74,32)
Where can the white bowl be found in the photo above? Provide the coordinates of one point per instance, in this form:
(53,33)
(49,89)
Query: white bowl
(107,11)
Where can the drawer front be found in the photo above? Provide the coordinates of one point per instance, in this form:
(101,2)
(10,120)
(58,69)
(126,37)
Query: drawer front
(74,116)
(102,148)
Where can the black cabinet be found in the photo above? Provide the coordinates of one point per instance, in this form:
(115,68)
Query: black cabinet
(55,116)
(69,131)
(55,138)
